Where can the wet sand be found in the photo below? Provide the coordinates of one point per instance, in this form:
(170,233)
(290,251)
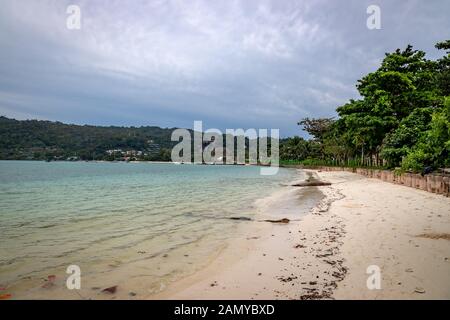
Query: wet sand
(360,222)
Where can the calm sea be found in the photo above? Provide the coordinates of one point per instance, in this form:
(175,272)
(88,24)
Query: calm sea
(135,225)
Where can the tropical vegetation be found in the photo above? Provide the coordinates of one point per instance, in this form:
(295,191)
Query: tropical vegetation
(401,120)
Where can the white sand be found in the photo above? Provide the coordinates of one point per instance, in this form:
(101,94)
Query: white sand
(326,254)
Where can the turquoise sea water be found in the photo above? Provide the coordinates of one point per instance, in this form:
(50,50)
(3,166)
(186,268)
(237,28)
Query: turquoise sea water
(122,223)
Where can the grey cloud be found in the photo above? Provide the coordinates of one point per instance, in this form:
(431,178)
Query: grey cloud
(262,64)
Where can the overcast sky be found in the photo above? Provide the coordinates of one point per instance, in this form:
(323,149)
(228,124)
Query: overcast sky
(232,64)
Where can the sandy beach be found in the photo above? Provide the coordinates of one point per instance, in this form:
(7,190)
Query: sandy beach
(360,222)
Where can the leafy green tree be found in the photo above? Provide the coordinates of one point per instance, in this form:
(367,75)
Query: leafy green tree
(398,143)
(443,77)
(405,81)
(400,119)
(316,127)
(299,149)
(433,148)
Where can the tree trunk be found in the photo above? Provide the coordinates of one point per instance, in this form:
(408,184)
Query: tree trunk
(362,155)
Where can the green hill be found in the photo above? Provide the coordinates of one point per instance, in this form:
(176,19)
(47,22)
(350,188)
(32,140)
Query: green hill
(46,140)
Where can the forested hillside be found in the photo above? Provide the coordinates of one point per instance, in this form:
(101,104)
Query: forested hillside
(46,140)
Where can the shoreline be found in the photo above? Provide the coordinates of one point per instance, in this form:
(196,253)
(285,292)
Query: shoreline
(433,182)
(265,263)
(361,222)
(142,262)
